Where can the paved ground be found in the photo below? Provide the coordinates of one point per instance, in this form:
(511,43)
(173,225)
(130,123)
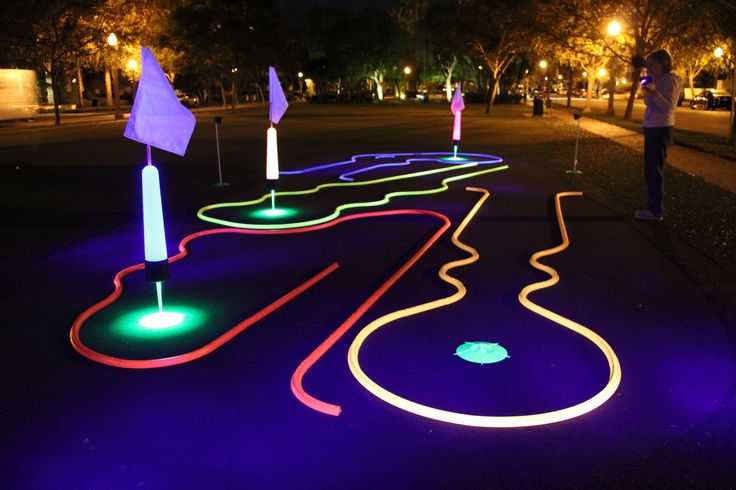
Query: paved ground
(229,420)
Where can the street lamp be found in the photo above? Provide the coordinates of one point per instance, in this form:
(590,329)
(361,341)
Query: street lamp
(718,53)
(132,67)
(407,70)
(112,41)
(614,29)
(543,65)
(301,83)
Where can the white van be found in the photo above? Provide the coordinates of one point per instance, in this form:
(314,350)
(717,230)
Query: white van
(18,94)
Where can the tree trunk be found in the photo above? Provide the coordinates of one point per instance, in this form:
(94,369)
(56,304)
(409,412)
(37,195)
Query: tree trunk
(611,92)
(80,86)
(492,95)
(732,138)
(234,95)
(635,74)
(116,93)
(589,101)
(108,87)
(569,88)
(448,80)
(222,92)
(57,95)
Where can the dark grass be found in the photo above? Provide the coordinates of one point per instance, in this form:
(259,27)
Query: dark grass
(705,142)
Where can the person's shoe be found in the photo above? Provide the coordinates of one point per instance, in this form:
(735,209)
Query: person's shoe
(647,215)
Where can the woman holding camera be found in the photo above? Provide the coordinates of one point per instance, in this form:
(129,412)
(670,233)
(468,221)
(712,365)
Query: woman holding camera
(662,89)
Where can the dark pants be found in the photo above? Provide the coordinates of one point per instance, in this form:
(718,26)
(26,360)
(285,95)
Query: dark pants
(656,141)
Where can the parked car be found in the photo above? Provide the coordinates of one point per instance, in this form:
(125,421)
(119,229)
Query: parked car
(188,100)
(712,99)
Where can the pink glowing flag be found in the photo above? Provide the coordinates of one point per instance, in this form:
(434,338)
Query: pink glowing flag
(457,100)
(157,117)
(276,97)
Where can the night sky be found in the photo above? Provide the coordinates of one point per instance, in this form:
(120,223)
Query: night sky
(352,4)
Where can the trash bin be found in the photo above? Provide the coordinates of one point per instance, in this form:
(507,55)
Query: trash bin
(537,106)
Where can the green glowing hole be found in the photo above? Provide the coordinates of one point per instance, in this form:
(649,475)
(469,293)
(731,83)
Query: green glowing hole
(454,159)
(149,323)
(161,319)
(271,213)
(481,352)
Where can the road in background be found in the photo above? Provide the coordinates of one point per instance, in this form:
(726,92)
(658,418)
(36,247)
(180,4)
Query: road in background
(711,122)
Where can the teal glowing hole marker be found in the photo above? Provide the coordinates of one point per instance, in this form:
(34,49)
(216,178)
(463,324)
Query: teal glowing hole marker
(481,352)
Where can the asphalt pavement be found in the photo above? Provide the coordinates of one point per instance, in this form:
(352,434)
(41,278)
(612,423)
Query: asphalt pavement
(230,420)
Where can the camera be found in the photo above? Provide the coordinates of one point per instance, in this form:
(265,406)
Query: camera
(644,81)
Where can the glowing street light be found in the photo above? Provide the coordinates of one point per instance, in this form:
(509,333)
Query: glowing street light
(585,74)
(602,73)
(300,75)
(132,65)
(407,70)
(112,41)
(559,77)
(543,65)
(614,28)
(718,52)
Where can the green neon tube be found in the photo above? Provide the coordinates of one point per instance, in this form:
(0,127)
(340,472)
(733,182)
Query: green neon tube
(339,209)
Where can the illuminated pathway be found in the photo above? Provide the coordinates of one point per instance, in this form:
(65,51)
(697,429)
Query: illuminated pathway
(480,420)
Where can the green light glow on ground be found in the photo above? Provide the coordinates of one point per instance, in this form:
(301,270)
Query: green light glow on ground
(161,319)
(273,213)
(481,352)
(454,159)
(130,324)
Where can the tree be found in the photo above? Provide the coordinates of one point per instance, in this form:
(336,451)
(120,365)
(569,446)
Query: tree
(49,34)
(230,41)
(494,34)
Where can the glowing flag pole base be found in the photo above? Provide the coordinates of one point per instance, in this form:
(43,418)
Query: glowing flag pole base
(157,271)
(154,234)
(454,157)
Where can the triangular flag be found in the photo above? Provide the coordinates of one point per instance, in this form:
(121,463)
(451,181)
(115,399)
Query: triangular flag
(276,97)
(157,117)
(457,100)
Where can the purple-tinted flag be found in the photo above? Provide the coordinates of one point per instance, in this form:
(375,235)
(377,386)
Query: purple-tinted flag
(157,117)
(276,97)
(457,100)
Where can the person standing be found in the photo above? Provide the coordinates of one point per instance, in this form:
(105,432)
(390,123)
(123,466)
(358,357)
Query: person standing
(662,90)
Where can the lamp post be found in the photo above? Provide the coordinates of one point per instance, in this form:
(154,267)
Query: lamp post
(301,84)
(614,29)
(112,41)
(718,53)
(132,66)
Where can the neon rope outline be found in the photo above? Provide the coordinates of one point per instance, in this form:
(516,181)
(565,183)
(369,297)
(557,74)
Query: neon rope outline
(79,346)
(495,421)
(311,359)
(338,210)
(493,160)
(354,159)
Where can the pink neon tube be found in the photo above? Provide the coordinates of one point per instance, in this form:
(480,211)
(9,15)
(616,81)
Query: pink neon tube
(456,127)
